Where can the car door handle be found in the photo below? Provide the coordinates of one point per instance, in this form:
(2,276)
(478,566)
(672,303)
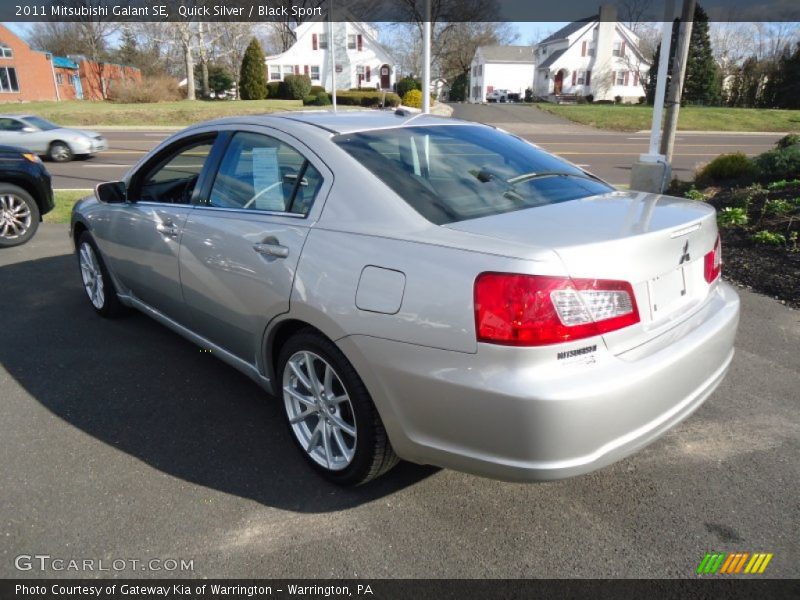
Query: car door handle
(167,229)
(275,250)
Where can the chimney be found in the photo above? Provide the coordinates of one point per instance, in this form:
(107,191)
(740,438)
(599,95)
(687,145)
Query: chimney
(602,70)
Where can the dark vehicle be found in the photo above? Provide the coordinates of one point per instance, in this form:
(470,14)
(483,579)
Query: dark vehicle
(25,195)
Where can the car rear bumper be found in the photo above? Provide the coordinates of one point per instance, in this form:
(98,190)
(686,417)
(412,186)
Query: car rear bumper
(498,414)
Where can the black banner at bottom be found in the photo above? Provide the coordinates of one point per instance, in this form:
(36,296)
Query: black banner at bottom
(416,589)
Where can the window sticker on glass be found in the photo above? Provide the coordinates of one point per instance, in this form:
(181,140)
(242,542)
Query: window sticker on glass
(267,180)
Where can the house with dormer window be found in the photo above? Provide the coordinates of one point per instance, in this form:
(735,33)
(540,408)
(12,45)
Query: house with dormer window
(360,60)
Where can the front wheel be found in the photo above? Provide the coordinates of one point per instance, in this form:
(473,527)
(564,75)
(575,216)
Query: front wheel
(59,152)
(96,280)
(19,216)
(330,413)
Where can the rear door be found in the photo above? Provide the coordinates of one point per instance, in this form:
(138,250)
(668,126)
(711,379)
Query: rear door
(241,244)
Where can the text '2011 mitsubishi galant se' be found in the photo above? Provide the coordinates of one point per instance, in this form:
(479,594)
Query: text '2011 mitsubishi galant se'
(420,287)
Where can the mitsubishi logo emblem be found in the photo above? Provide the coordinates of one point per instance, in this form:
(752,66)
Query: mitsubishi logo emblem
(685,255)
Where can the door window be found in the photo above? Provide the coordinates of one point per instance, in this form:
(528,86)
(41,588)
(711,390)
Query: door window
(11,125)
(259,172)
(172,179)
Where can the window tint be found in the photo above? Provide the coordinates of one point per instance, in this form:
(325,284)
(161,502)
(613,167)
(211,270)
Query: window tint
(451,173)
(173,179)
(42,124)
(259,172)
(11,125)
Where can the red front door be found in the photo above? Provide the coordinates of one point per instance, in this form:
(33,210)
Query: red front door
(559,82)
(386,77)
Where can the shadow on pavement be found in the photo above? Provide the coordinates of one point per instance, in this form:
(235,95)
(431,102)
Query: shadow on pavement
(144,390)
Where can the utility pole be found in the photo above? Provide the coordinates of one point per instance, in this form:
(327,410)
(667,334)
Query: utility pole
(332,54)
(426,59)
(676,84)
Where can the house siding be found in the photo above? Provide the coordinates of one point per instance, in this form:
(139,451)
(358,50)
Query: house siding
(34,71)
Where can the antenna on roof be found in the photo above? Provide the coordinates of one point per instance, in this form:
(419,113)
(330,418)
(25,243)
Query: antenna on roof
(332,52)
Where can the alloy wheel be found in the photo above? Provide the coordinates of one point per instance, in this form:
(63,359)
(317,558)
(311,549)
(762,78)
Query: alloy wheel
(92,276)
(15,217)
(320,410)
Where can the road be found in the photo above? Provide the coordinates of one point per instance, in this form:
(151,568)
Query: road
(120,440)
(608,154)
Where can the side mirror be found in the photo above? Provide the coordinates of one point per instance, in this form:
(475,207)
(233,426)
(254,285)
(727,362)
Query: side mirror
(113,192)
(28,129)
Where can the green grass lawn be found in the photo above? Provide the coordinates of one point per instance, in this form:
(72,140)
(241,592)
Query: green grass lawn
(183,112)
(627,117)
(65,199)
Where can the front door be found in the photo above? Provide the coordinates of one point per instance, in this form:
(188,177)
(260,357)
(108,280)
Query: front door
(142,239)
(386,77)
(558,84)
(241,244)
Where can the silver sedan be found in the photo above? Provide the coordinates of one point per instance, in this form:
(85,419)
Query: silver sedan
(420,288)
(59,144)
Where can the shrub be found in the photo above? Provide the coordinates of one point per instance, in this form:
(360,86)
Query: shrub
(318,99)
(642,99)
(791,139)
(694,194)
(590,98)
(529,95)
(366,98)
(296,87)
(778,207)
(617,99)
(274,89)
(253,74)
(774,165)
(413,98)
(315,89)
(407,84)
(769,238)
(727,167)
(149,89)
(732,217)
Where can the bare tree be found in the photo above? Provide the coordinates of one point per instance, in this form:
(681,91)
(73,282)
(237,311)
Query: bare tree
(634,13)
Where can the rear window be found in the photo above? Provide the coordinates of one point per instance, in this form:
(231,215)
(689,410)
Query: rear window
(451,173)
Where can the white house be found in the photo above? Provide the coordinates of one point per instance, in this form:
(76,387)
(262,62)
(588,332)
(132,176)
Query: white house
(596,56)
(501,68)
(361,61)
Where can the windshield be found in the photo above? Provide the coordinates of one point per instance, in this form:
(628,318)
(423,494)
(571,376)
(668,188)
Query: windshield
(40,123)
(451,173)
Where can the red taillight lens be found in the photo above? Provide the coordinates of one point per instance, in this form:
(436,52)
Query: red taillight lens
(712,262)
(534,310)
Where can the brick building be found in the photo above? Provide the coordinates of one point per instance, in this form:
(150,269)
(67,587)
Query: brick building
(28,75)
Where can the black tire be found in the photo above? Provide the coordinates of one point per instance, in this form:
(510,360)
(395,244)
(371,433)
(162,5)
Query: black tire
(59,152)
(18,210)
(373,454)
(110,306)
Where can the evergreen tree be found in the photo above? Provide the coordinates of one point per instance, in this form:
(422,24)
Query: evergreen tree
(786,77)
(253,75)
(458,89)
(652,80)
(702,83)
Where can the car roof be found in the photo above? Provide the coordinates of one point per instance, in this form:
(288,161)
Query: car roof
(14,116)
(345,121)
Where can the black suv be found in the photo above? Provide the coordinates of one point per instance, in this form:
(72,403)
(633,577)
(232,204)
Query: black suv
(25,195)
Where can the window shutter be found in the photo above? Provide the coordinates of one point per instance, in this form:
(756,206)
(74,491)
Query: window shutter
(622,48)
(297,69)
(613,78)
(369,73)
(359,43)
(314,41)
(583,48)
(627,73)
(588,77)
(636,78)
(305,69)
(574,77)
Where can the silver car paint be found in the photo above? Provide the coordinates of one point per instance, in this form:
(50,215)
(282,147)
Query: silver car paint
(517,413)
(80,141)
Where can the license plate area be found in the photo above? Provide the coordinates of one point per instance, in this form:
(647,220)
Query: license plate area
(667,292)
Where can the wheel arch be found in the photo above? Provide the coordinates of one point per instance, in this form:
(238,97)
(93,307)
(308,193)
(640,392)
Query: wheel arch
(28,187)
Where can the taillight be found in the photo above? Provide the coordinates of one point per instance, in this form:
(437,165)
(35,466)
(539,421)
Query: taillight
(535,310)
(712,262)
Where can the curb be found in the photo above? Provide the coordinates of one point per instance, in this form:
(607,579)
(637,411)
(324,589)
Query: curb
(699,132)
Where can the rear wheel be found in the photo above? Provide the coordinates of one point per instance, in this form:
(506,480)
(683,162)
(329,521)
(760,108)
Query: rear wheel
(330,413)
(59,152)
(19,216)
(96,280)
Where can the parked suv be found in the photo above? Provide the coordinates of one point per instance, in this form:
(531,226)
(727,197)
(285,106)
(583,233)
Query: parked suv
(25,195)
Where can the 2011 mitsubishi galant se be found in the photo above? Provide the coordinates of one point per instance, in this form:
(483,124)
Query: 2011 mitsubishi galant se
(420,287)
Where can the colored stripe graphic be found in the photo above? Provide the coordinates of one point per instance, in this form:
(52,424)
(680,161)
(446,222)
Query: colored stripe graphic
(732,563)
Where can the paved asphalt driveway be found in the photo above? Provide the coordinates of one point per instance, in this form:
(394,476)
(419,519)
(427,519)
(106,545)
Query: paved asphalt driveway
(121,440)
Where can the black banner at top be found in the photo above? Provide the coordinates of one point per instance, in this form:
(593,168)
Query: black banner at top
(294,11)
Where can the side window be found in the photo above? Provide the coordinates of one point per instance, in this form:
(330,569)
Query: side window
(7,124)
(173,178)
(259,172)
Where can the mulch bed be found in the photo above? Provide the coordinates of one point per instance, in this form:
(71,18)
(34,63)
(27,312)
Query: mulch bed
(773,270)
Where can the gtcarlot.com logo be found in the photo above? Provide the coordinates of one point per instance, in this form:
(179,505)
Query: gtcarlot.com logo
(734,563)
(45,562)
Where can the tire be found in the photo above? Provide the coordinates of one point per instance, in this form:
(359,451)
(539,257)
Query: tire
(19,216)
(95,278)
(60,152)
(357,448)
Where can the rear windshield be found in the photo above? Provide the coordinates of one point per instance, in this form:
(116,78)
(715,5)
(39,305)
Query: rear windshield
(41,123)
(451,173)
